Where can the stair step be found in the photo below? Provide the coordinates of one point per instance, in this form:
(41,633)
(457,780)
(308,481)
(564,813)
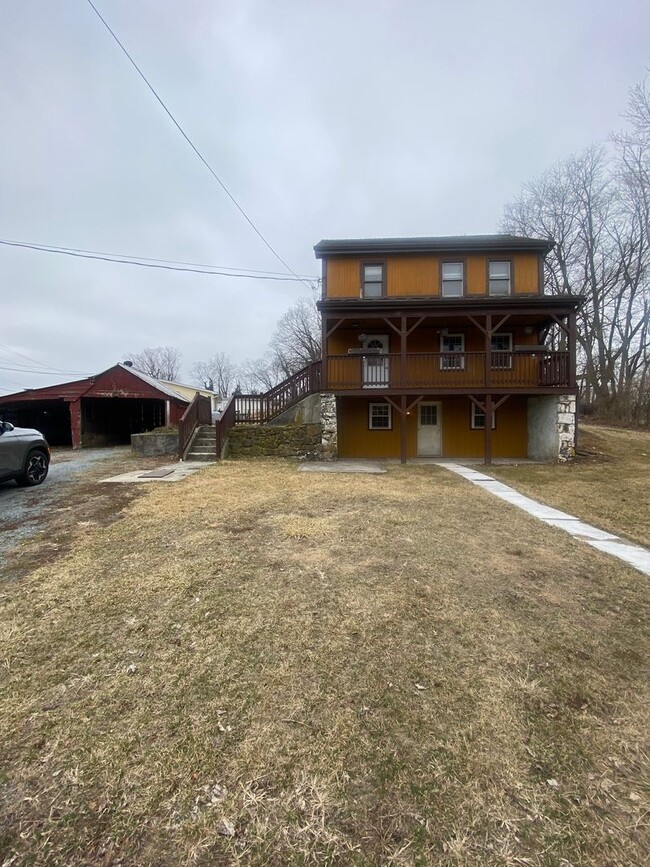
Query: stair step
(201,456)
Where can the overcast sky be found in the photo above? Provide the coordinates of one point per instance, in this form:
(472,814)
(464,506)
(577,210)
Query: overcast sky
(345,118)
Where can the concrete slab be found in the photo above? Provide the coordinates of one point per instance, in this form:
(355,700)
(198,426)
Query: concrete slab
(170,473)
(578,528)
(633,555)
(342,467)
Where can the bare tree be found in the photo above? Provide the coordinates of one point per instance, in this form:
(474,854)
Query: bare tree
(296,342)
(161,362)
(297,338)
(219,373)
(596,219)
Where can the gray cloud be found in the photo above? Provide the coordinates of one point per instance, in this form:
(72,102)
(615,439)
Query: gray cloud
(324,119)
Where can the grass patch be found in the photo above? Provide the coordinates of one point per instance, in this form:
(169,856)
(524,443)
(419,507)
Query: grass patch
(607,485)
(261,666)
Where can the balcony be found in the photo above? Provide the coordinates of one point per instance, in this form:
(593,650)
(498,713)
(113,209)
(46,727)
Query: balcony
(449,371)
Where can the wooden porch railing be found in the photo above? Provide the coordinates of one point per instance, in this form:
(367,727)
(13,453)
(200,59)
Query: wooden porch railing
(261,408)
(198,412)
(449,370)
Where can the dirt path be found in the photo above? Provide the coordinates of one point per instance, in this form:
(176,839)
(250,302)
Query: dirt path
(67,501)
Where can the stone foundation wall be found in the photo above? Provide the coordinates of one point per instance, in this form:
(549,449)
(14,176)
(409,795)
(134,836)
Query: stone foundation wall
(566,427)
(329,427)
(552,427)
(283,441)
(149,444)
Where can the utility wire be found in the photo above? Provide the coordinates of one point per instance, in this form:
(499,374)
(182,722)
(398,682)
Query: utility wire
(145,264)
(45,372)
(194,148)
(7,349)
(243,271)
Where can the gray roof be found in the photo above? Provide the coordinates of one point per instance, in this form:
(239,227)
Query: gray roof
(436,244)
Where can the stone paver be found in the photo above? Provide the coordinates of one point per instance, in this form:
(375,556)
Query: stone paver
(170,473)
(633,555)
(342,467)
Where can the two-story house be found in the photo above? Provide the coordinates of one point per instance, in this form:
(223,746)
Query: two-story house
(441,347)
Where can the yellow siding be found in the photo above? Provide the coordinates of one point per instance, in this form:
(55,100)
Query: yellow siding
(526,273)
(411,275)
(509,439)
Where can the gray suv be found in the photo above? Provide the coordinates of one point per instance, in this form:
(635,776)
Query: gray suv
(24,455)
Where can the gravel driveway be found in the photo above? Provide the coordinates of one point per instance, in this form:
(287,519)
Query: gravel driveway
(26,511)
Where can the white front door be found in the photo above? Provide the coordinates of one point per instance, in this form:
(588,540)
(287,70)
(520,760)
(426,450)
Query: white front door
(429,429)
(375,367)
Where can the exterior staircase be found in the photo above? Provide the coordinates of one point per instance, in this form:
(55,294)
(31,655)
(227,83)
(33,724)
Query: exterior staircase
(198,440)
(204,445)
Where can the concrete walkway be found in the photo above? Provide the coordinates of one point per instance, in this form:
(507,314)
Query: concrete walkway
(170,473)
(633,555)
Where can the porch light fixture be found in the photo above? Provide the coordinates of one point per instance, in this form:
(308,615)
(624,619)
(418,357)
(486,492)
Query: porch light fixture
(528,330)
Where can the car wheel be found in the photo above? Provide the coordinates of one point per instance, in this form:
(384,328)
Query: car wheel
(35,469)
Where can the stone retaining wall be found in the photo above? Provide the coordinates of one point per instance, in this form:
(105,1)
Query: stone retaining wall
(283,441)
(149,444)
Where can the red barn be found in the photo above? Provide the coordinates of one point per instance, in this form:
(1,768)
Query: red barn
(101,410)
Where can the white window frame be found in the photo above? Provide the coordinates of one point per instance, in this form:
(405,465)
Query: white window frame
(507,365)
(380,283)
(473,423)
(384,406)
(499,279)
(447,363)
(443,281)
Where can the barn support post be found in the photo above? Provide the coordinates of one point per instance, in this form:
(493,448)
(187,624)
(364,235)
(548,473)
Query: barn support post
(75,423)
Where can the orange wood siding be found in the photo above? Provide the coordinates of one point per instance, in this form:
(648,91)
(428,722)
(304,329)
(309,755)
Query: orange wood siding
(413,275)
(420,275)
(509,439)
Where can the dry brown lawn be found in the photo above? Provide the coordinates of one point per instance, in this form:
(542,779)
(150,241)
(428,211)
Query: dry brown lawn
(608,485)
(261,666)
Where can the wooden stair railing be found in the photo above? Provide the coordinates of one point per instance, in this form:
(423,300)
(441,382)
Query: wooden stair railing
(198,412)
(261,408)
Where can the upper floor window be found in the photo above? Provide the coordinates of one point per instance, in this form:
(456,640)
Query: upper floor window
(372,280)
(453,279)
(499,278)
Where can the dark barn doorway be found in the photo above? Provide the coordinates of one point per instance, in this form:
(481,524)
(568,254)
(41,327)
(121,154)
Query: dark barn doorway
(110,421)
(50,417)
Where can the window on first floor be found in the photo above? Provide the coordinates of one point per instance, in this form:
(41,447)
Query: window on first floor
(453,348)
(478,418)
(372,280)
(453,279)
(380,416)
(499,278)
(501,351)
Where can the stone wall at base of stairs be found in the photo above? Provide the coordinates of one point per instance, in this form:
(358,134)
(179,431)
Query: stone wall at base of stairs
(155,443)
(282,441)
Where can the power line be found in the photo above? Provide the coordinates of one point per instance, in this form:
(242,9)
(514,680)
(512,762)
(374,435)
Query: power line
(144,264)
(193,146)
(242,271)
(45,372)
(26,357)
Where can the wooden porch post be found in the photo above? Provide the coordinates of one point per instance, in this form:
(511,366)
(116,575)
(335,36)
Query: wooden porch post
(488,429)
(402,361)
(402,430)
(323,351)
(488,349)
(572,349)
